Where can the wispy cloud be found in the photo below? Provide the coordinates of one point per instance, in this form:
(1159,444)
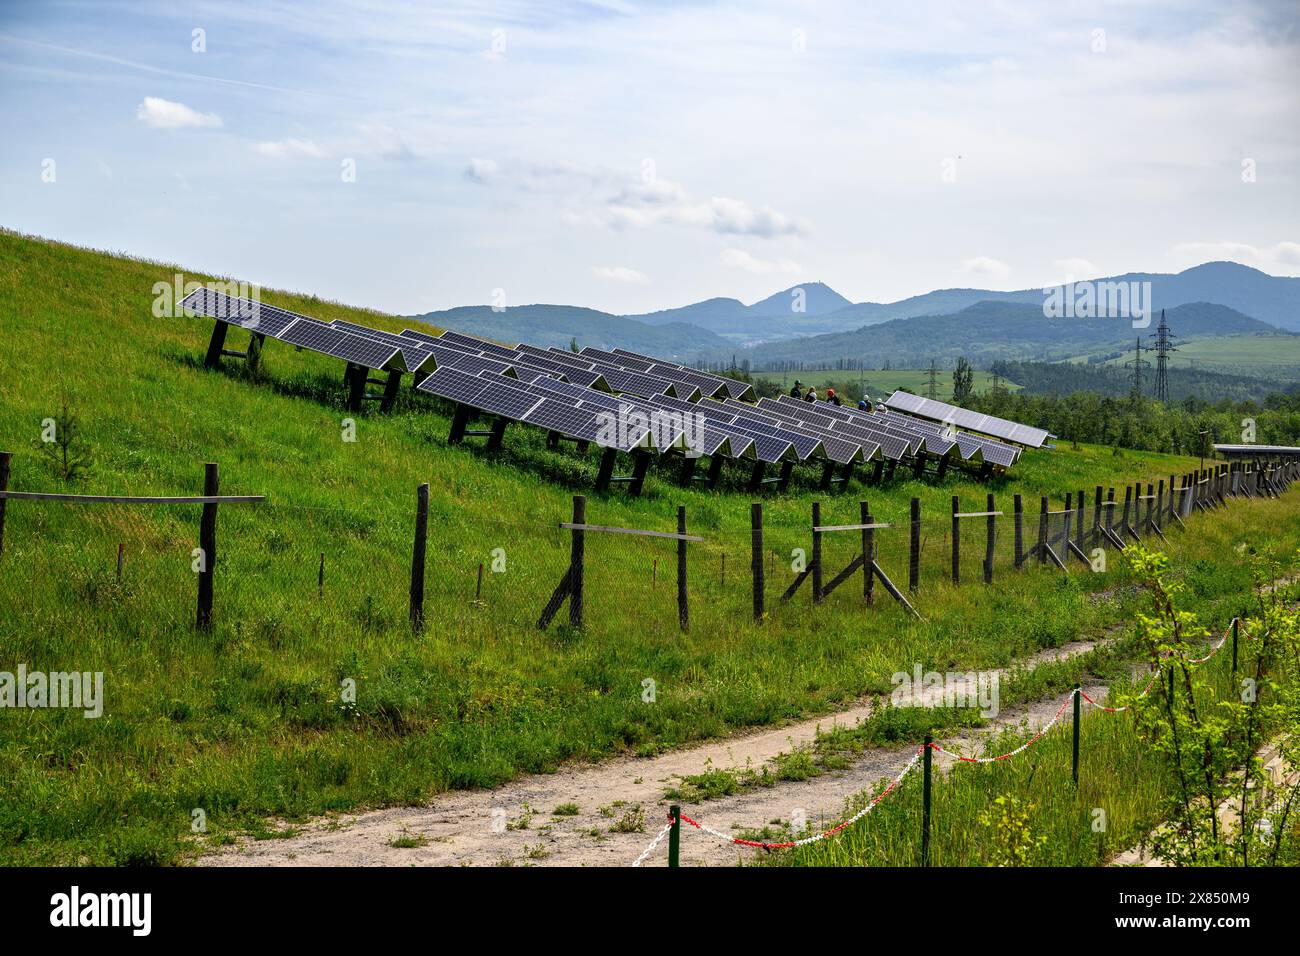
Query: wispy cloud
(165,114)
(620,274)
(1282,258)
(741,259)
(289,148)
(986,266)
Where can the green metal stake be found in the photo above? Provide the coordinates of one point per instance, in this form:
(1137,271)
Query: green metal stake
(675,835)
(1236,624)
(925,803)
(1078,696)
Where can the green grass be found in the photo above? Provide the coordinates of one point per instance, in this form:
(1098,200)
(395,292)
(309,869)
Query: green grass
(250,721)
(1119,776)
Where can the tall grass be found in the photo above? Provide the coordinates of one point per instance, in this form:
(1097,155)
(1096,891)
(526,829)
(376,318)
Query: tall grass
(248,720)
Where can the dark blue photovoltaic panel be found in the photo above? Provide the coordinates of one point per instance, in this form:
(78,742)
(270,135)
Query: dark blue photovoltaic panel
(314,335)
(451,337)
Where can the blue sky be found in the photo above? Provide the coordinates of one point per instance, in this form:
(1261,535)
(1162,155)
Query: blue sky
(632,157)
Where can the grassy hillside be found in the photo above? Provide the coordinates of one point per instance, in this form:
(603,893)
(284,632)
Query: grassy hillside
(248,721)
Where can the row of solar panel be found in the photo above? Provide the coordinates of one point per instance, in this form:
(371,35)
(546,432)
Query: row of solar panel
(770,431)
(973,421)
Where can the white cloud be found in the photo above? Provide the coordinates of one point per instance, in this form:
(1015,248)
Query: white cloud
(1074,267)
(288,148)
(741,259)
(659,202)
(986,266)
(164,114)
(1283,258)
(482,171)
(620,274)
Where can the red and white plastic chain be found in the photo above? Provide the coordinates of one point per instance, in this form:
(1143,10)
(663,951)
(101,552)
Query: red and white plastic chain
(727,838)
(659,837)
(1021,749)
(1154,674)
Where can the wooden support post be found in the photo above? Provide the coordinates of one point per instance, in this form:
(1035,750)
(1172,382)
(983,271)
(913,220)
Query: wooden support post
(918,467)
(816,552)
(253,357)
(1078,520)
(6,460)
(688,471)
(787,469)
(756,556)
(956,540)
(1019,530)
(418,554)
(216,344)
(828,473)
(943,467)
(877,475)
(914,548)
(868,554)
(208,544)
(683,612)
(715,470)
(756,477)
(390,391)
(607,459)
(577,557)
(498,435)
(990,537)
(459,421)
(640,464)
(356,383)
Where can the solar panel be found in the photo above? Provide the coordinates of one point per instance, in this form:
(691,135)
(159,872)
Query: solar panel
(319,337)
(455,386)
(970,420)
(579,376)
(246,313)
(720,385)
(621,361)
(622,380)
(451,337)
(414,356)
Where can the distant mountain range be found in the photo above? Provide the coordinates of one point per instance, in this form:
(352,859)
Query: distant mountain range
(811,321)
(990,331)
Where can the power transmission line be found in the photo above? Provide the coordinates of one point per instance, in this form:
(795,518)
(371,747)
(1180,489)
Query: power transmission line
(1137,365)
(1164,339)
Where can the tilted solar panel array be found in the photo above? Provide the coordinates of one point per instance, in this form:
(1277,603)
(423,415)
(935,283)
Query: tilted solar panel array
(970,420)
(301,331)
(630,401)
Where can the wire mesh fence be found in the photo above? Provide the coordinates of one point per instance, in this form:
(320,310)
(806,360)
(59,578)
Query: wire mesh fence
(285,567)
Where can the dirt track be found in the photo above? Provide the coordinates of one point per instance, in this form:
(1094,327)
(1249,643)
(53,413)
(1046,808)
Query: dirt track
(464,828)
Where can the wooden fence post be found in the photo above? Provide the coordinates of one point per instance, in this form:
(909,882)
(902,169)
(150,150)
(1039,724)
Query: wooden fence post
(817,552)
(1078,521)
(683,613)
(914,557)
(1042,531)
(756,556)
(956,541)
(1020,530)
(991,536)
(417,555)
(208,544)
(577,555)
(6,457)
(868,554)
(1096,517)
